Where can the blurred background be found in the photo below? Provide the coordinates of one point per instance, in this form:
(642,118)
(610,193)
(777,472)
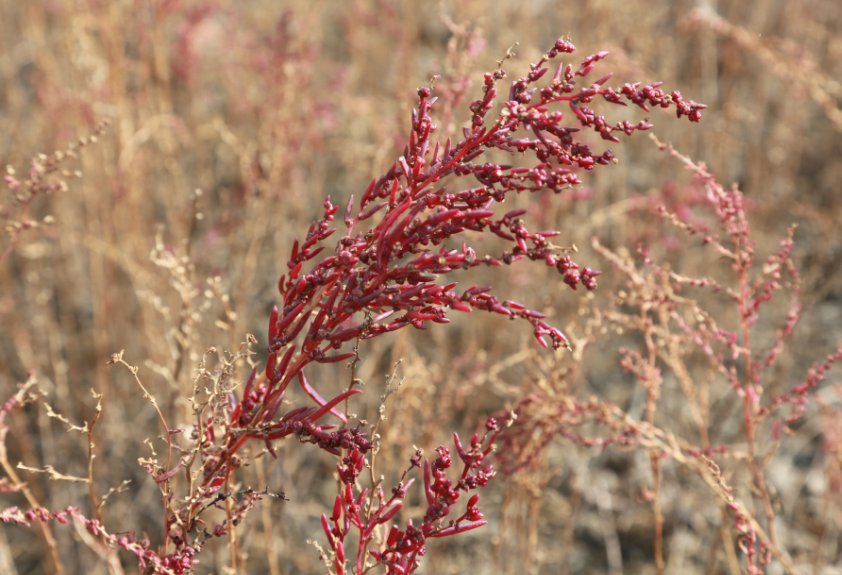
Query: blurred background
(164,234)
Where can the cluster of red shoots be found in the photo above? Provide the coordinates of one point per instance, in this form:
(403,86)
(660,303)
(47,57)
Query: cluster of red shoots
(399,239)
(408,230)
(400,552)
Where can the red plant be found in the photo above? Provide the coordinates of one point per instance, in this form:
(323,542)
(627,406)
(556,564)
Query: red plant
(407,231)
(365,511)
(383,278)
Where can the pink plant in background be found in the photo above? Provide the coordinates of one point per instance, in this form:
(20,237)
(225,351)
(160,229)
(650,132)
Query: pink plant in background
(687,328)
(389,269)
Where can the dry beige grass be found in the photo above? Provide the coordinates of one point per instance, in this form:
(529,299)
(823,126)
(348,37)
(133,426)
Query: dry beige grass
(227,125)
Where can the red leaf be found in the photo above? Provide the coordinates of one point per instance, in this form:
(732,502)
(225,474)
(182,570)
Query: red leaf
(325,406)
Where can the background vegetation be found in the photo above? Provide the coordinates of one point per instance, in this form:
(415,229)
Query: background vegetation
(229,122)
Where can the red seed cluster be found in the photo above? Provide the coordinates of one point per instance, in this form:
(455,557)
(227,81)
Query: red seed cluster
(405,545)
(409,227)
(413,228)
